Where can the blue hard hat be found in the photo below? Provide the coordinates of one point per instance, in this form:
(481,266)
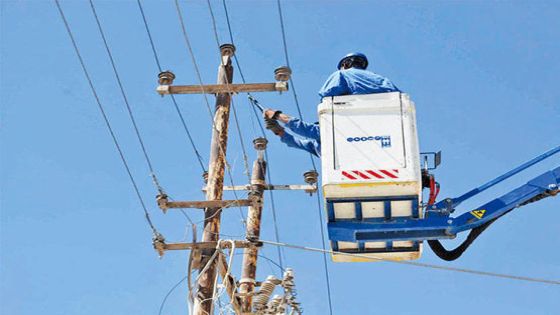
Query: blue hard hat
(360,59)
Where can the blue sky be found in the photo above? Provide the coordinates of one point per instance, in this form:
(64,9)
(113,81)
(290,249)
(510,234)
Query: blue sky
(484,76)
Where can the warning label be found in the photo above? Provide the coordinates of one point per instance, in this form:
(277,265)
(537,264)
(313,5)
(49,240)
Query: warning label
(478,213)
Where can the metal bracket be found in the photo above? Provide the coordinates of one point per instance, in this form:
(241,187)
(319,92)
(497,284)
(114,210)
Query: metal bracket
(436,159)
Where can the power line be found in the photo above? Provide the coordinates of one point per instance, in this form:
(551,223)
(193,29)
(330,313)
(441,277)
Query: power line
(201,83)
(105,118)
(125,98)
(213,18)
(149,35)
(178,111)
(293,88)
(169,293)
(193,59)
(292,85)
(417,264)
(325,263)
(268,174)
(238,127)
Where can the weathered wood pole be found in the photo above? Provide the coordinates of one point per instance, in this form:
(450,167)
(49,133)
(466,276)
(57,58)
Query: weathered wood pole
(203,302)
(249,272)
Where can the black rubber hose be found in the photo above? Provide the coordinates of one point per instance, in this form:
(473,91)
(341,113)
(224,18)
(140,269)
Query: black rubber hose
(450,255)
(453,254)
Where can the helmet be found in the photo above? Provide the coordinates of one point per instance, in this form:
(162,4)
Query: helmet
(356,59)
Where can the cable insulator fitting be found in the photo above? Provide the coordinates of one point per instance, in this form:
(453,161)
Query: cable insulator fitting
(267,287)
(159,244)
(310,177)
(260,143)
(166,78)
(227,50)
(205,177)
(162,200)
(282,74)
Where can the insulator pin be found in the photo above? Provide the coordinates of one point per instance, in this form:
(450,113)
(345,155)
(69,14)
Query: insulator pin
(310,177)
(282,74)
(260,143)
(227,50)
(166,77)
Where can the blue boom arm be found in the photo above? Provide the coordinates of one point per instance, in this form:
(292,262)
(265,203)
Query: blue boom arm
(448,205)
(439,225)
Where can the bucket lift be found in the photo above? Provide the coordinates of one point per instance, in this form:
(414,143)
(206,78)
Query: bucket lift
(372,182)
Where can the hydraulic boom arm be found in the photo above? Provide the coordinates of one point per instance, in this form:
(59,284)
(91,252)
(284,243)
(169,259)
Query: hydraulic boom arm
(438,224)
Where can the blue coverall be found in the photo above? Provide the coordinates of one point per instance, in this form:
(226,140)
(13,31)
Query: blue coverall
(342,82)
(312,141)
(356,81)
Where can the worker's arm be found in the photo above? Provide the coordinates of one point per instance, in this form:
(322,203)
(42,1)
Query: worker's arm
(335,85)
(308,145)
(303,128)
(296,125)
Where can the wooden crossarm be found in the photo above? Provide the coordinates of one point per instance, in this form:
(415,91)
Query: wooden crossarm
(222,88)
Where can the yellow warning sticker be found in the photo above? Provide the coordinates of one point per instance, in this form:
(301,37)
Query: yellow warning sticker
(478,213)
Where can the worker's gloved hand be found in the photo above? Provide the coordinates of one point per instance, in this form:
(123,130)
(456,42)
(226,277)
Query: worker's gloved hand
(274,126)
(271,113)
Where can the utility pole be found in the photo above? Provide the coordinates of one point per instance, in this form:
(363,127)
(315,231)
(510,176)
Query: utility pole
(203,302)
(209,262)
(253,232)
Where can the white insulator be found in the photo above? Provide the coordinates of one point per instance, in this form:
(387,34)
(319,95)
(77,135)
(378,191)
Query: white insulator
(288,280)
(267,287)
(273,306)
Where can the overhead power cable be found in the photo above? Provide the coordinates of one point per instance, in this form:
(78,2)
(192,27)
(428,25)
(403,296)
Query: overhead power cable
(417,264)
(193,59)
(160,312)
(125,98)
(106,119)
(325,262)
(236,119)
(293,88)
(181,118)
(292,85)
(258,119)
(201,84)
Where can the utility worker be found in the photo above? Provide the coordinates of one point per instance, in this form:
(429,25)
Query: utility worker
(351,78)
(309,141)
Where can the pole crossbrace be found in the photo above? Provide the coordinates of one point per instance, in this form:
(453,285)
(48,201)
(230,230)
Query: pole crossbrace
(306,188)
(222,88)
(164,204)
(161,246)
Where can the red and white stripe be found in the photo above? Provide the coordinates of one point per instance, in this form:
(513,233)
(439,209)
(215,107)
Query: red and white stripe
(371,174)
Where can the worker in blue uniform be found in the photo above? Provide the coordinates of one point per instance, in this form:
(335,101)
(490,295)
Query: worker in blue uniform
(351,78)
(309,139)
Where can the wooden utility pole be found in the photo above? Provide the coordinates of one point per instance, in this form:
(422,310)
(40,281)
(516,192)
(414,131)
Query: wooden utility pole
(253,231)
(210,262)
(203,302)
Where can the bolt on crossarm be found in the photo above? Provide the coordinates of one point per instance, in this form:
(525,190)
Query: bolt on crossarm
(253,231)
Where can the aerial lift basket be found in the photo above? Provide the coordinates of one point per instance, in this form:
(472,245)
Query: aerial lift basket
(370,172)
